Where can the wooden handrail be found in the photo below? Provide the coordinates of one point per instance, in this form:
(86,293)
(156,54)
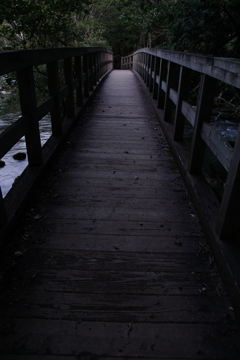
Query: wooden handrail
(158,70)
(83,69)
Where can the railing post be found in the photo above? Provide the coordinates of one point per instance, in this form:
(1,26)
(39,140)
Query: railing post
(145,67)
(99,65)
(183,90)
(170,83)
(3,214)
(79,90)
(94,57)
(228,222)
(156,73)
(54,87)
(152,61)
(138,67)
(86,80)
(91,72)
(28,103)
(204,110)
(69,81)
(162,75)
(142,65)
(149,56)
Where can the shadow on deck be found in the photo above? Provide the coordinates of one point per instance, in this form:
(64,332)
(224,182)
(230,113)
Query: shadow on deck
(110,261)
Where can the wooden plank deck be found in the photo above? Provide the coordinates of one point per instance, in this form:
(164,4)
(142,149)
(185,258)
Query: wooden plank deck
(109,261)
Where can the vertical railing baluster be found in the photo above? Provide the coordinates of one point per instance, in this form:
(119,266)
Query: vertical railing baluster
(3,214)
(204,110)
(54,90)
(183,91)
(79,90)
(143,63)
(91,72)
(168,106)
(86,80)
(162,75)
(145,67)
(69,82)
(94,57)
(151,73)
(28,103)
(97,67)
(228,222)
(156,73)
(100,64)
(149,56)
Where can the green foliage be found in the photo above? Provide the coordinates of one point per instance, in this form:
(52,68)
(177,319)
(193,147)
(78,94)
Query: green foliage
(200,26)
(147,19)
(41,24)
(206,27)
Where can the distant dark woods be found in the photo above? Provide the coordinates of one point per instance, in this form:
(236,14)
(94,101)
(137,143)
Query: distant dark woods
(196,26)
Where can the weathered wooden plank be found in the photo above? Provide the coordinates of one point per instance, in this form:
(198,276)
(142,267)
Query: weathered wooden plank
(114,212)
(60,337)
(162,266)
(86,199)
(121,308)
(108,227)
(126,243)
(79,193)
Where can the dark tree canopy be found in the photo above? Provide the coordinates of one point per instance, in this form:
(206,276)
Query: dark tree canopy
(200,26)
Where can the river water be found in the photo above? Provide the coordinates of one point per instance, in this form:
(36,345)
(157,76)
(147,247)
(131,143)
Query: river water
(14,168)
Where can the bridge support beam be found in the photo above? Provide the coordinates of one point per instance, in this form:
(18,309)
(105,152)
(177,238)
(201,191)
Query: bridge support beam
(28,103)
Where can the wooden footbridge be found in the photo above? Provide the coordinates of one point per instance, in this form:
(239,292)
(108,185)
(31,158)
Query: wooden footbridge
(108,258)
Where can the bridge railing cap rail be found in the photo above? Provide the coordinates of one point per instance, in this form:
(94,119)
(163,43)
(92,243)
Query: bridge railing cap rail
(223,69)
(12,60)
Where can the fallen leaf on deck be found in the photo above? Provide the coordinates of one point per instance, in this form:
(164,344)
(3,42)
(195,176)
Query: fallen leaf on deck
(177,242)
(129,327)
(18,253)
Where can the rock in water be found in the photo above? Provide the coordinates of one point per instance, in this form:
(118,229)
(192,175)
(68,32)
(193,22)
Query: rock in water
(19,156)
(2,163)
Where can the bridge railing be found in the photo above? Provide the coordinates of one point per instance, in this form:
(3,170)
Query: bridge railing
(72,76)
(168,75)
